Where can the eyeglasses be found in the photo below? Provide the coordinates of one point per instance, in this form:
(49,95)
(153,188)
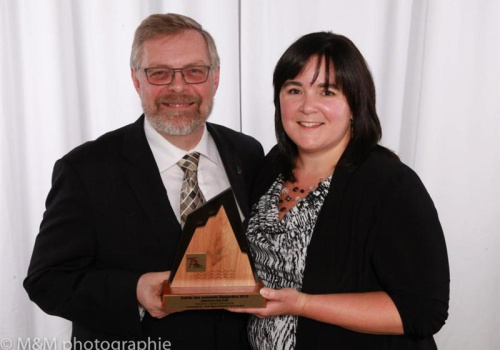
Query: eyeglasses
(164,76)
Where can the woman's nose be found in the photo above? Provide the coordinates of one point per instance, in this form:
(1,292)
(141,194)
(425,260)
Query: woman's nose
(308,105)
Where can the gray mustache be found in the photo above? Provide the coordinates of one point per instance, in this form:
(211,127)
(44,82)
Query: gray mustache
(179,99)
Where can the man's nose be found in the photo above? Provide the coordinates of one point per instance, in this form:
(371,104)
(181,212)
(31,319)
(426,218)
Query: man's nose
(178,84)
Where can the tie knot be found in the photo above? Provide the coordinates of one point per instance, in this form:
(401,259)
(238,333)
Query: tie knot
(189,162)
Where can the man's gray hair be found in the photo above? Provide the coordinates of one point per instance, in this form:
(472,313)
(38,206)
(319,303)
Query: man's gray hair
(168,24)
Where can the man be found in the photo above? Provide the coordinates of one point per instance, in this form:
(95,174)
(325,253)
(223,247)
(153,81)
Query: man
(112,224)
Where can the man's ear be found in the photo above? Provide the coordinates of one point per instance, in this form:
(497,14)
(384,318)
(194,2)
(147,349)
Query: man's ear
(216,78)
(135,79)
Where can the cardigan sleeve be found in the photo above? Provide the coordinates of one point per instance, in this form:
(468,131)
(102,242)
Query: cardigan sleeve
(410,258)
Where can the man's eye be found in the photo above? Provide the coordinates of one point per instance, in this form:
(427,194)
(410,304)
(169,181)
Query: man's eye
(158,73)
(195,71)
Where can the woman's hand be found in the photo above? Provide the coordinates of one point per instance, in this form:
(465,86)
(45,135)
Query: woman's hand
(370,312)
(286,301)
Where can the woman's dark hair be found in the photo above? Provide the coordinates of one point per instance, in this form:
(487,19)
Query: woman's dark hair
(353,77)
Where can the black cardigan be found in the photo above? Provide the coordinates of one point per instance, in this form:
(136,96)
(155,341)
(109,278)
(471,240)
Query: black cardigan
(378,230)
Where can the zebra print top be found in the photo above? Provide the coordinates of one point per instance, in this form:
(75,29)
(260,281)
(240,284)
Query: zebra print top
(279,249)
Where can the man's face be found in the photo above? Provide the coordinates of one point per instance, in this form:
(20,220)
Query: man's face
(178,108)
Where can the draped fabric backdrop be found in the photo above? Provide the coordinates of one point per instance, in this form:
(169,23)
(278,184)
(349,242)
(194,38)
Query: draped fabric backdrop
(65,80)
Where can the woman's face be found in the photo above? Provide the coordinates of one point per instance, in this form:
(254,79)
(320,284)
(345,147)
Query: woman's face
(317,119)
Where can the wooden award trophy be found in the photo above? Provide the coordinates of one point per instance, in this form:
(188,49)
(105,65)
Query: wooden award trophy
(213,268)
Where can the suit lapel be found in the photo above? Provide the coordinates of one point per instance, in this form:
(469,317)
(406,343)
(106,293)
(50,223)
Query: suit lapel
(233,166)
(145,180)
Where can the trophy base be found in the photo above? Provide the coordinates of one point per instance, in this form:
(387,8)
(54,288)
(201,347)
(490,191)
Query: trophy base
(204,298)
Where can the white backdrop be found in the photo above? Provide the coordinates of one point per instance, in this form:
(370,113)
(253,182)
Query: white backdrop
(65,80)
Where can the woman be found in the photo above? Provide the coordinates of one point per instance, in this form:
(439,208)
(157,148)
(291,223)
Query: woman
(344,236)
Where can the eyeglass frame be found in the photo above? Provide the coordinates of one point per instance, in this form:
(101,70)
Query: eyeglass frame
(174,70)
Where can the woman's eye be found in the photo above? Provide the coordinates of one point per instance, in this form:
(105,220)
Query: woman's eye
(328,93)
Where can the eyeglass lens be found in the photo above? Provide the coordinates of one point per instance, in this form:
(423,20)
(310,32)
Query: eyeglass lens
(164,76)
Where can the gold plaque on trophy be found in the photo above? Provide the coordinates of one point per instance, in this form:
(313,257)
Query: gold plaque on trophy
(213,268)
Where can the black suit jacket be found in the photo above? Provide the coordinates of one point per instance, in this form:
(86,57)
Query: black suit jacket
(108,221)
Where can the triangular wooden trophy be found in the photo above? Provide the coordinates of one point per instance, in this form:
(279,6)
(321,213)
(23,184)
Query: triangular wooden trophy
(213,268)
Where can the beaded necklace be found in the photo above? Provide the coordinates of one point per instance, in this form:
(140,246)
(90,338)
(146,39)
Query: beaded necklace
(296,195)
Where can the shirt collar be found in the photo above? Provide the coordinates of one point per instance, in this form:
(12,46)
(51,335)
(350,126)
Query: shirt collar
(167,155)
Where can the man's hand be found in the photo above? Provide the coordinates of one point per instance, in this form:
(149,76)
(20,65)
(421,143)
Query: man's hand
(149,290)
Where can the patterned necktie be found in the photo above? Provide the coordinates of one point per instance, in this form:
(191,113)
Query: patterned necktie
(191,195)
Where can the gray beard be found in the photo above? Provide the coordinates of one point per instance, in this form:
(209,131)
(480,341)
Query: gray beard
(176,123)
(170,123)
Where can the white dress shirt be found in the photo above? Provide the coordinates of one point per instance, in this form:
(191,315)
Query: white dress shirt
(212,177)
